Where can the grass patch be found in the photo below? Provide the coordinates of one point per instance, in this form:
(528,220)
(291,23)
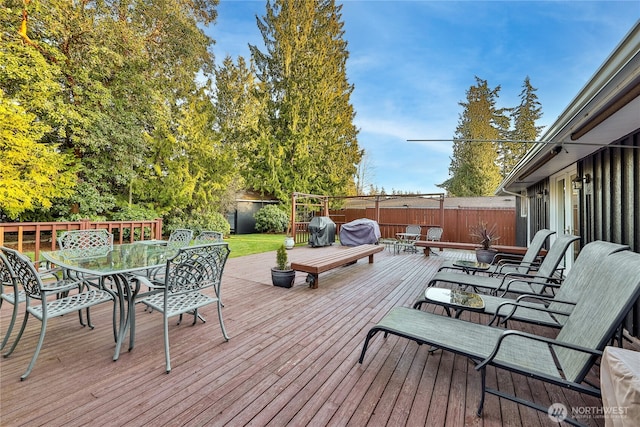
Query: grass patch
(247,244)
(242,244)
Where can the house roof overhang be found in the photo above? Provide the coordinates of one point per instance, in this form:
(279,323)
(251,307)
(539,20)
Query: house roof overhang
(604,111)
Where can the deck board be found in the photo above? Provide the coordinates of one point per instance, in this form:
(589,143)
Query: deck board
(292,360)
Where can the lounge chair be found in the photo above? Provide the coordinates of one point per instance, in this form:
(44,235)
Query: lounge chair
(550,311)
(614,286)
(537,282)
(529,261)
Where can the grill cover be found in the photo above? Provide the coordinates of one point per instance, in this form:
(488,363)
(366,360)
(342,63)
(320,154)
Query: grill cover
(359,232)
(322,231)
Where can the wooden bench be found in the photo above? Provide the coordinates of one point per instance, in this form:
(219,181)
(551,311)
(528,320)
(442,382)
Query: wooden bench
(428,245)
(338,258)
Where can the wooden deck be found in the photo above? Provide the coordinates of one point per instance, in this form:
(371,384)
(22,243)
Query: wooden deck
(291,360)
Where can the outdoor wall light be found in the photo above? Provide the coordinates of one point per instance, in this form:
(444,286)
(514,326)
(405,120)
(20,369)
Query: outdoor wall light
(577,181)
(541,194)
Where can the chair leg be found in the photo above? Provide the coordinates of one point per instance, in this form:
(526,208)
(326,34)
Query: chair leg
(15,343)
(43,329)
(224,331)
(166,343)
(80,318)
(483,382)
(370,335)
(14,316)
(88,318)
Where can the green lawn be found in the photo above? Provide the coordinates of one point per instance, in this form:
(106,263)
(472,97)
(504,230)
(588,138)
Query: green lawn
(247,244)
(243,244)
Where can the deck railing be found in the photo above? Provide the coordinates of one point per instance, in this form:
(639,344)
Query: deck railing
(34,236)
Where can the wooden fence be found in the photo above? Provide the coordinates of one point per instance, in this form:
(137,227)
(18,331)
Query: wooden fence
(34,236)
(457,226)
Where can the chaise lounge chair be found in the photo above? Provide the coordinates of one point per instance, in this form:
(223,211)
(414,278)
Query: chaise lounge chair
(549,311)
(614,286)
(528,262)
(536,283)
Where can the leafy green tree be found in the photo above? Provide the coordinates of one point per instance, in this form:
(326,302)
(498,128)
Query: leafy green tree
(115,84)
(34,171)
(307,142)
(31,173)
(524,118)
(474,168)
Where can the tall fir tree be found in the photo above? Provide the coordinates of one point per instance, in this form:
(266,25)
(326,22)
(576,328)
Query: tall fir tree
(474,166)
(524,118)
(308,141)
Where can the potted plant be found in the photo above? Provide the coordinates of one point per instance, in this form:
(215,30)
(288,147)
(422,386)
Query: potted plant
(485,236)
(289,241)
(282,275)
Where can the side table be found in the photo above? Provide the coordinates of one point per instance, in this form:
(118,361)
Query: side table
(455,299)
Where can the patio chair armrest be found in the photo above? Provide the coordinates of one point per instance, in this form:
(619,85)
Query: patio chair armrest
(544,299)
(45,268)
(505,257)
(552,342)
(142,280)
(62,286)
(502,265)
(527,278)
(514,307)
(505,287)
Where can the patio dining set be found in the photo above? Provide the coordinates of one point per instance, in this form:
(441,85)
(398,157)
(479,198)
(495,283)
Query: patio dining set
(180,276)
(406,241)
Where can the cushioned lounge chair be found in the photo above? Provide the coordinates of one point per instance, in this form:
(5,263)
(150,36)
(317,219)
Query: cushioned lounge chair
(550,311)
(614,286)
(537,282)
(528,262)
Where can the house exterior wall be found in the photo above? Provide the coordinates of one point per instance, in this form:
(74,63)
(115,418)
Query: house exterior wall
(610,203)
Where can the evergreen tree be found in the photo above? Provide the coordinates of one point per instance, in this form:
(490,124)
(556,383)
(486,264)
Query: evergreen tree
(308,141)
(474,169)
(524,118)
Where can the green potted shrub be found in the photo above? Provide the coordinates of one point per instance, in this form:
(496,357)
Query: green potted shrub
(485,236)
(282,275)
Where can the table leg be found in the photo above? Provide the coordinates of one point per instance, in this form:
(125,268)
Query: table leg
(126,298)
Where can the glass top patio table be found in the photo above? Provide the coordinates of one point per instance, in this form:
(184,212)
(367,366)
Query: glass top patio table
(106,261)
(115,265)
(471,266)
(456,299)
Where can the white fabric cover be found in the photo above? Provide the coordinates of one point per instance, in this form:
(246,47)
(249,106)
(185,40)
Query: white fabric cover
(620,386)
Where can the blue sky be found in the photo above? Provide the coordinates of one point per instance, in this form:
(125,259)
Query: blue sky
(411,63)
